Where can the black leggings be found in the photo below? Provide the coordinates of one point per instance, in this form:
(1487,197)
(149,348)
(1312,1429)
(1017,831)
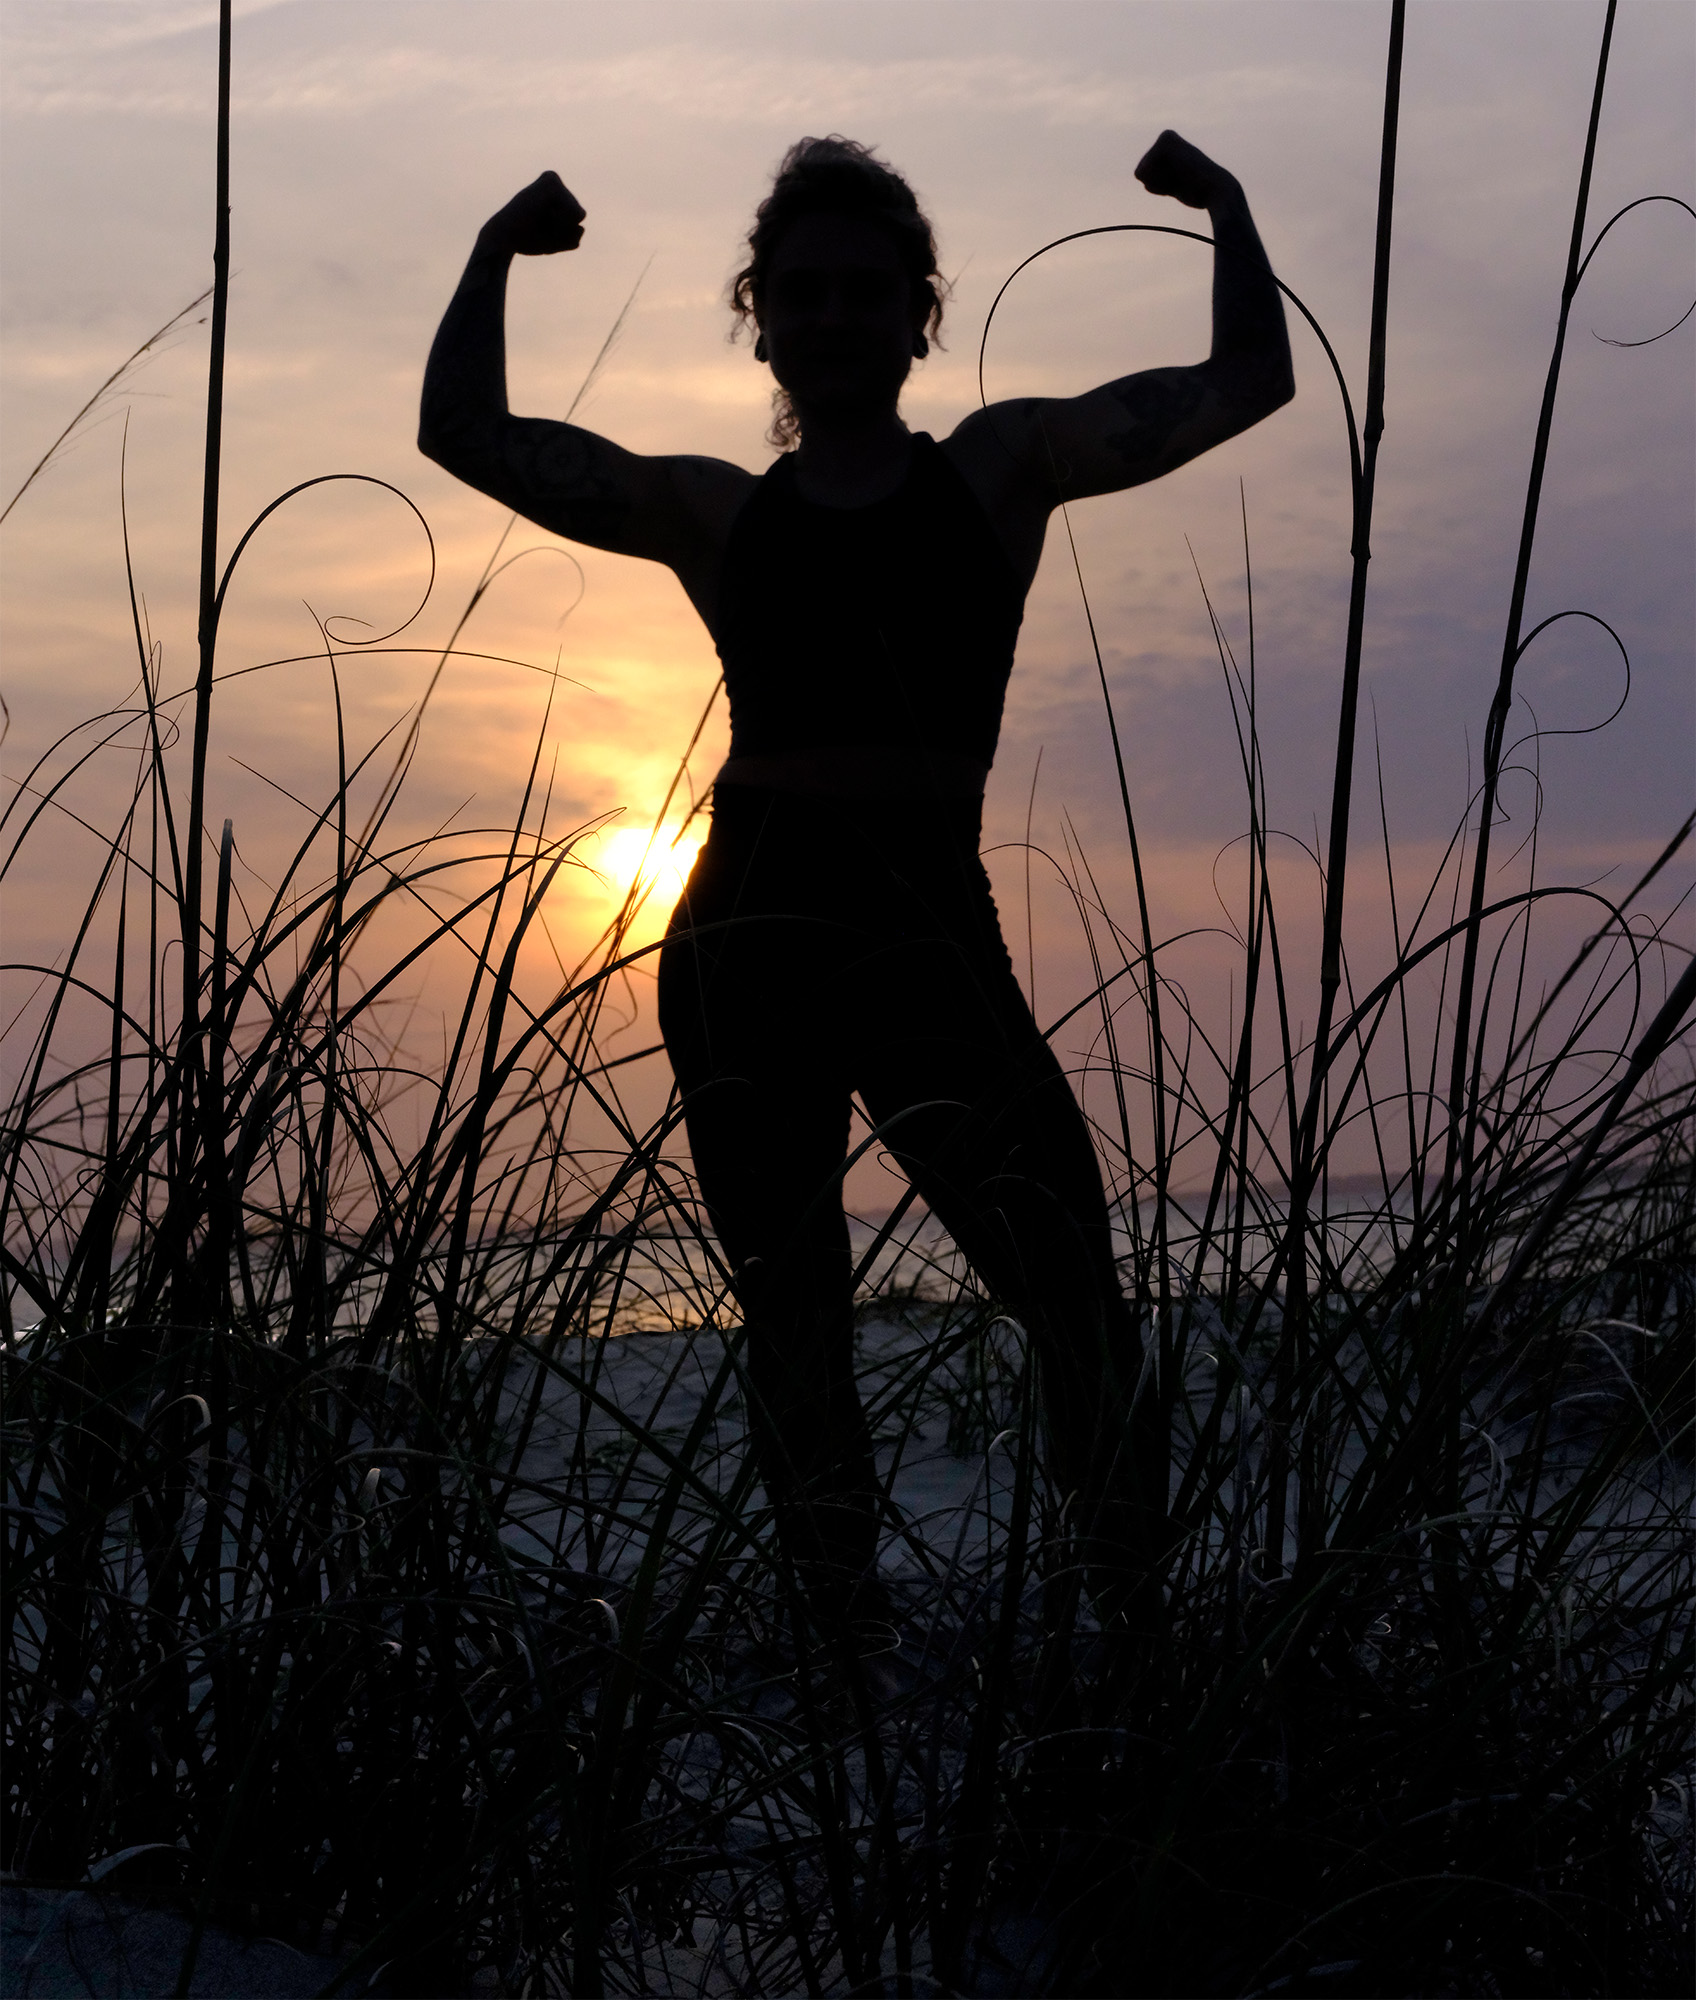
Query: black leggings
(821,949)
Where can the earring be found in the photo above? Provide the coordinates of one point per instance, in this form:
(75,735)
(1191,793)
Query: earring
(760,353)
(921,347)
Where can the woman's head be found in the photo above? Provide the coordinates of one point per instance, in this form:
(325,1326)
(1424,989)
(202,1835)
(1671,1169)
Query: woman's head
(858,212)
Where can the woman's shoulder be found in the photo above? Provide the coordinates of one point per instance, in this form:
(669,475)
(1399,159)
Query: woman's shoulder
(977,464)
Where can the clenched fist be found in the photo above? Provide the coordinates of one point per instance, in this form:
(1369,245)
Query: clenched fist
(1173,166)
(540,220)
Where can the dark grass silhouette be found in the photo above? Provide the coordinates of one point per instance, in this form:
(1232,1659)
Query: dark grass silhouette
(360,1590)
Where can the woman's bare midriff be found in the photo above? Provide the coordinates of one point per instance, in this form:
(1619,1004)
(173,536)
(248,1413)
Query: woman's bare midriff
(862,771)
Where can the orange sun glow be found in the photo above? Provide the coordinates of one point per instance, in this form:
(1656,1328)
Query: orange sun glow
(650,860)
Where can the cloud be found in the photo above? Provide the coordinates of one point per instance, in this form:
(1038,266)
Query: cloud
(62,74)
(91,28)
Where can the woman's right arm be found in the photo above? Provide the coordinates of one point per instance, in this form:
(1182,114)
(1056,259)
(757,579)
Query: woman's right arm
(564,479)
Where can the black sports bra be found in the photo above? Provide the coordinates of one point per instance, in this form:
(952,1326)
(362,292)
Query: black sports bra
(889,625)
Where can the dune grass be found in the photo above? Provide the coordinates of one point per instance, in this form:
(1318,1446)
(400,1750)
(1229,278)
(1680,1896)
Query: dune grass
(360,1586)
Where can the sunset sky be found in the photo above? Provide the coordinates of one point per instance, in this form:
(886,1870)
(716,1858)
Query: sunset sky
(370,141)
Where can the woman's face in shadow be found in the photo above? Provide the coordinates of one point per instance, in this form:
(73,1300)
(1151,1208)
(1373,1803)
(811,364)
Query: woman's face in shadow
(836,313)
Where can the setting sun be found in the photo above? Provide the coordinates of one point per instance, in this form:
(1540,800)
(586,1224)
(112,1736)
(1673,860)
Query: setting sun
(658,860)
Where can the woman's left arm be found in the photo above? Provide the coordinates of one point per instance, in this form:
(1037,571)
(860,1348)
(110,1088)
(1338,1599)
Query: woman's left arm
(1141,426)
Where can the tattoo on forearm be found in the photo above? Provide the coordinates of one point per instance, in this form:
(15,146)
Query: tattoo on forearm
(1156,403)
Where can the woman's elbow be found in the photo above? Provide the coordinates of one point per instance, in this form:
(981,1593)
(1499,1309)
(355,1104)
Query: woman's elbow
(1272,384)
(431,441)
(1251,385)
(446,445)
(460,440)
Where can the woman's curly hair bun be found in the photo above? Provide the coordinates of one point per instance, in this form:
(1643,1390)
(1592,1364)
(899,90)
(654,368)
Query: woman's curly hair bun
(838,176)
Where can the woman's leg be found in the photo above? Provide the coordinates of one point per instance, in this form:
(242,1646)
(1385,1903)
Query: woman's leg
(768,1163)
(745,1015)
(980,1116)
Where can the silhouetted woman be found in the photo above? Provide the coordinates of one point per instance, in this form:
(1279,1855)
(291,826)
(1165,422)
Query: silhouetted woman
(837,935)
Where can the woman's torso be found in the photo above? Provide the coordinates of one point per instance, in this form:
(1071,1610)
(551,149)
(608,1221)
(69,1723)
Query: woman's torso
(828,881)
(866,649)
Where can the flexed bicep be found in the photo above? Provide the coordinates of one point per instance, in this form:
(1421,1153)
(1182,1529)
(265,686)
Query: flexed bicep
(1131,431)
(565,479)
(1148,423)
(1054,449)
(561,477)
